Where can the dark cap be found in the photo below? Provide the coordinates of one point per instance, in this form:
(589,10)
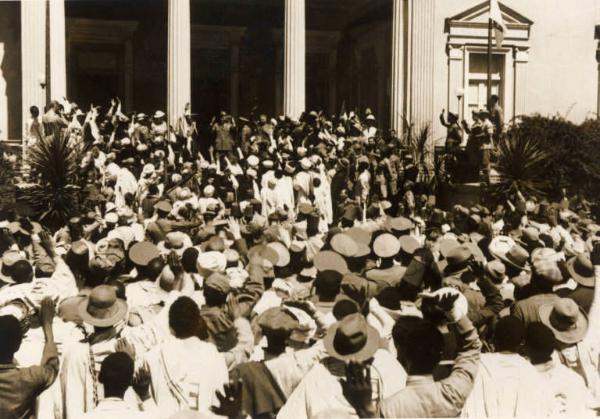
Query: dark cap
(164,206)
(276,321)
(143,252)
(218,282)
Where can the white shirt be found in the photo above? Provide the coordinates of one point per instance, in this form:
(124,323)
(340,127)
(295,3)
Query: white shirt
(185,375)
(571,396)
(320,390)
(114,407)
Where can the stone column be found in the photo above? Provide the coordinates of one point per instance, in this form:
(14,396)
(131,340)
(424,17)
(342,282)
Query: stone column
(58,56)
(129,76)
(333,81)
(455,78)
(3,100)
(33,56)
(598,60)
(234,80)
(397,74)
(294,90)
(520,96)
(179,67)
(422,62)
(278,77)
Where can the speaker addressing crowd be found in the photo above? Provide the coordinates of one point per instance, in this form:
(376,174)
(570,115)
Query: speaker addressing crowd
(267,267)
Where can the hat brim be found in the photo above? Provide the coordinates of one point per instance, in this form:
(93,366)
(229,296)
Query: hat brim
(504,259)
(565,336)
(582,280)
(118,315)
(366,352)
(6,279)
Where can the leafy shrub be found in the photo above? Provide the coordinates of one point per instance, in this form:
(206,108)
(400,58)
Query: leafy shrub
(571,152)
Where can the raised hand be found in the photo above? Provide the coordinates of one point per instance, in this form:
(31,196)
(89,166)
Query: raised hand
(141,383)
(446,301)
(357,388)
(477,268)
(234,307)
(47,311)
(230,401)
(174,263)
(123,345)
(234,228)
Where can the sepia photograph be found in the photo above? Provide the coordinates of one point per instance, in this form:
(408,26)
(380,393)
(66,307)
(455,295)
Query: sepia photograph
(299,209)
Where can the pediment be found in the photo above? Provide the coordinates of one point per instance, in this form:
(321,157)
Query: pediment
(473,23)
(479,15)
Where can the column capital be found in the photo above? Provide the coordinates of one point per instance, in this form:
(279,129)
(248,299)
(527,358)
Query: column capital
(521,55)
(455,51)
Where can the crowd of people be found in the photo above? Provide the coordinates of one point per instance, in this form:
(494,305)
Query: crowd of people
(293,269)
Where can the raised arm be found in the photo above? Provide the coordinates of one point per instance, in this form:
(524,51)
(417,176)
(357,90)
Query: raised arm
(593,334)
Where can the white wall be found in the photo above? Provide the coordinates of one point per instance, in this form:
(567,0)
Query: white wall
(562,73)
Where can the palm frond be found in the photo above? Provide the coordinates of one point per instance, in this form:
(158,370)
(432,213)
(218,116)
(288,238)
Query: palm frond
(522,165)
(54,197)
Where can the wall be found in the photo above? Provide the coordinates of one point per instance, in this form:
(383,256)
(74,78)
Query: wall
(562,70)
(10,66)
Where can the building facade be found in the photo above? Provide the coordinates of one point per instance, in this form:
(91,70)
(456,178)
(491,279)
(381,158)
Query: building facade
(405,59)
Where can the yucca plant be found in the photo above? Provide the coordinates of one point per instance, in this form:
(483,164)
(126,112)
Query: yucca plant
(7,182)
(521,165)
(54,196)
(418,144)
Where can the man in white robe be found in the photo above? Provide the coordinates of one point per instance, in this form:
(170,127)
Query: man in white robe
(320,390)
(507,385)
(185,370)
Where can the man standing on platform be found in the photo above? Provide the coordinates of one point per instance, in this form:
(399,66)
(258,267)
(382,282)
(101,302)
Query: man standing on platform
(496,117)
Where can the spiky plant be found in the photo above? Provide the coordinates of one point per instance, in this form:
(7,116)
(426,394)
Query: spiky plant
(418,144)
(7,182)
(54,196)
(521,165)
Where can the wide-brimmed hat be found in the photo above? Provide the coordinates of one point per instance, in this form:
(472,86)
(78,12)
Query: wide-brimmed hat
(567,320)
(457,260)
(9,258)
(283,254)
(386,245)
(505,249)
(581,269)
(359,235)
(344,245)
(496,270)
(327,260)
(102,308)
(400,224)
(409,245)
(175,241)
(530,238)
(351,338)
(446,245)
